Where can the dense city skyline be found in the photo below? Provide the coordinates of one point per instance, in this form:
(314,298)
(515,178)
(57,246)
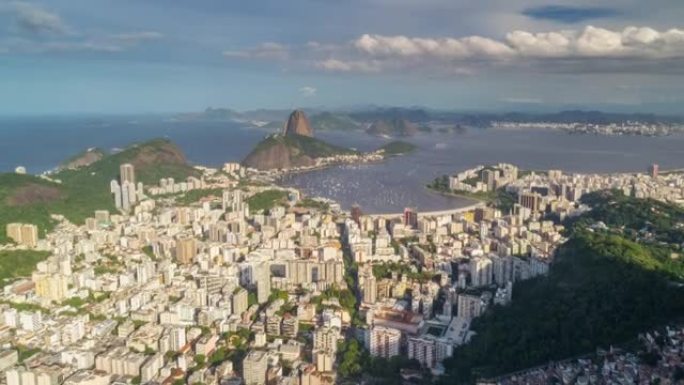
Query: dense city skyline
(162,272)
(93,57)
(340,192)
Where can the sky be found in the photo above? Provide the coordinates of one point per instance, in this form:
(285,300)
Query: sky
(162,56)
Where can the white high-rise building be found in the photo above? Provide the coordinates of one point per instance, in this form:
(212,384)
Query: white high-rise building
(254,367)
(262,277)
(125,198)
(370,289)
(240,301)
(470,306)
(132,193)
(325,338)
(422,349)
(480,272)
(115,189)
(127,173)
(384,342)
(178,338)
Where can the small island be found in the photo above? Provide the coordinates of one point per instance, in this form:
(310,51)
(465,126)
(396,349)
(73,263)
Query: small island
(397,147)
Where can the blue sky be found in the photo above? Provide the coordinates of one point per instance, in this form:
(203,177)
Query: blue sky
(139,56)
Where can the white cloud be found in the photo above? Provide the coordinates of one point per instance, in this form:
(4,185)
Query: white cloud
(35,19)
(348,65)
(103,44)
(34,29)
(378,45)
(550,44)
(591,49)
(268,51)
(591,42)
(308,91)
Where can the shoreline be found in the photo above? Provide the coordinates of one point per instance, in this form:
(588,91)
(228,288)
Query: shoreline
(285,172)
(452,211)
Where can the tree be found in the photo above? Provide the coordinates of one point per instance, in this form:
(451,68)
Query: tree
(350,364)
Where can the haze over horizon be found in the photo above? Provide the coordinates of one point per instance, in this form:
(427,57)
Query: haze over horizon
(79,56)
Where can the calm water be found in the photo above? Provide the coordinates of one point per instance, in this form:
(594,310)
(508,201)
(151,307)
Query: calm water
(41,144)
(390,186)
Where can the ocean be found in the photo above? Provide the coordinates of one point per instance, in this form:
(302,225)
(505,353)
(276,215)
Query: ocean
(40,144)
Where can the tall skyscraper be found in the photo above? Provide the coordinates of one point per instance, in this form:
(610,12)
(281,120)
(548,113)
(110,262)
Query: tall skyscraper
(53,287)
(29,235)
(125,197)
(178,338)
(384,342)
(356,213)
(370,290)
(470,306)
(489,178)
(254,367)
(23,234)
(654,170)
(240,301)
(132,193)
(262,277)
(411,217)
(115,189)
(325,338)
(186,250)
(530,200)
(14,232)
(127,173)
(480,272)
(423,350)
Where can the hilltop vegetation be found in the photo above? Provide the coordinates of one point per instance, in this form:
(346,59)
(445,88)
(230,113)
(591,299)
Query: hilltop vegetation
(15,205)
(398,147)
(83,159)
(266,200)
(665,222)
(328,121)
(19,263)
(29,199)
(153,160)
(287,151)
(602,289)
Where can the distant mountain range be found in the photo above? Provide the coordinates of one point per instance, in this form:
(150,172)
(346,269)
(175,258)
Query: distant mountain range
(392,127)
(397,121)
(330,121)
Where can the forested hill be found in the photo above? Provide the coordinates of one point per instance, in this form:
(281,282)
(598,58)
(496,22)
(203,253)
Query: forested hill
(77,192)
(612,280)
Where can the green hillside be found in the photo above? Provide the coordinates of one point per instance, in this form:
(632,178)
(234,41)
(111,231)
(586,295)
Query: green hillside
(266,200)
(304,146)
(17,206)
(398,147)
(288,151)
(602,289)
(29,199)
(83,159)
(637,217)
(327,121)
(19,263)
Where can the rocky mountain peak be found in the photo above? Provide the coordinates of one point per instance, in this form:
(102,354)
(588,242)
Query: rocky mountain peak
(298,124)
